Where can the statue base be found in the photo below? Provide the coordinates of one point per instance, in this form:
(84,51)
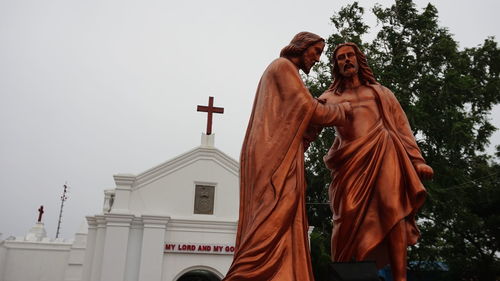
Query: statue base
(354,271)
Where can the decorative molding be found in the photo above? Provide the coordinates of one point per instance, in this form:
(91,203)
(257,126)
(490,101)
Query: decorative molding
(205,226)
(183,160)
(118,220)
(38,245)
(125,180)
(159,222)
(92,222)
(101,221)
(136,223)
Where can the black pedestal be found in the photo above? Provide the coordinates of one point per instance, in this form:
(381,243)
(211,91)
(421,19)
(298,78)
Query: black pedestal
(354,271)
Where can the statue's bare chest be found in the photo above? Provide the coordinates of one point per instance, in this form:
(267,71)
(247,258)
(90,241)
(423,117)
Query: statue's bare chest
(362,99)
(365,111)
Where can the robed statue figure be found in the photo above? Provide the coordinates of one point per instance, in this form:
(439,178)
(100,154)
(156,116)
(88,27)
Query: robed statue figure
(376,169)
(272,240)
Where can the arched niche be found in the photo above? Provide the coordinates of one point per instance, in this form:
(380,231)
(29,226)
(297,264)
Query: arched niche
(199,273)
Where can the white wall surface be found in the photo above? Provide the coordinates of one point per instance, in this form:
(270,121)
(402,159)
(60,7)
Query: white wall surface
(34,261)
(133,253)
(3,251)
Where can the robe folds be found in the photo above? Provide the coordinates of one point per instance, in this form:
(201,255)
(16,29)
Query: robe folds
(375,185)
(272,241)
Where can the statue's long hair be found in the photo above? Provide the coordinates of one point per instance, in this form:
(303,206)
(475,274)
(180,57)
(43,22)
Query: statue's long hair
(300,43)
(364,72)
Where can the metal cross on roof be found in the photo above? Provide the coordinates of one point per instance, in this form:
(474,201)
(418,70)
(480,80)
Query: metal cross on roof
(210,109)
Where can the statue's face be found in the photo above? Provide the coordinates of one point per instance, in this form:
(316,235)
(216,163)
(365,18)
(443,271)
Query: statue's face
(347,61)
(311,56)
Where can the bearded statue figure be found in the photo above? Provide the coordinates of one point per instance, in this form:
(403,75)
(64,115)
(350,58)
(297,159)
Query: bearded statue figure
(376,169)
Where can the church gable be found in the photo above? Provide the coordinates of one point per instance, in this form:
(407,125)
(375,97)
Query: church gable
(202,183)
(185,160)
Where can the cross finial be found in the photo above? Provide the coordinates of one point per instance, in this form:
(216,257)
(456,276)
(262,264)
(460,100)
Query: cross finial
(210,109)
(40,213)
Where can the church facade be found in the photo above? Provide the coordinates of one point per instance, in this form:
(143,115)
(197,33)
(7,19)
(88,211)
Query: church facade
(176,219)
(174,222)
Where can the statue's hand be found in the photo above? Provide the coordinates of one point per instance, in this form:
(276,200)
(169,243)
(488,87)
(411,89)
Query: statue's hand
(348,108)
(424,171)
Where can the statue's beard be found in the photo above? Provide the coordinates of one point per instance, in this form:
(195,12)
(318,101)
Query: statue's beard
(303,65)
(349,71)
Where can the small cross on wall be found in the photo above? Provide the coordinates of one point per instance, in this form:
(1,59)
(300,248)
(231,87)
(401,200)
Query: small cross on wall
(210,109)
(40,213)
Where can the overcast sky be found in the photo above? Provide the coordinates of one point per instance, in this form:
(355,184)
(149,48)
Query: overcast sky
(93,88)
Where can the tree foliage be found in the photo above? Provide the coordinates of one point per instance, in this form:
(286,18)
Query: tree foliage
(447,94)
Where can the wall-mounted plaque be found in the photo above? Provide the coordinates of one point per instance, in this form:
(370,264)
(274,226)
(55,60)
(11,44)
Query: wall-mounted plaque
(204,199)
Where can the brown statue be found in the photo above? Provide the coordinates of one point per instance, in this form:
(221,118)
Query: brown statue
(376,166)
(272,240)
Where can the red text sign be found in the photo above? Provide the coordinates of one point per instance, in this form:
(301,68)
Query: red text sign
(195,248)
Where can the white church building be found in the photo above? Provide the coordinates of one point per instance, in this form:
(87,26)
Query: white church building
(174,222)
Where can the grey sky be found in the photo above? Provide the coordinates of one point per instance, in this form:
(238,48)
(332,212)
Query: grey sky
(89,89)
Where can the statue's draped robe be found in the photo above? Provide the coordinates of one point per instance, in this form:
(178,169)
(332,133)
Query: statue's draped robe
(374,185)
(272,241)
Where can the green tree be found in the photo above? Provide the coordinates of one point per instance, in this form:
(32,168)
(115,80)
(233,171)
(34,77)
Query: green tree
(447,94)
